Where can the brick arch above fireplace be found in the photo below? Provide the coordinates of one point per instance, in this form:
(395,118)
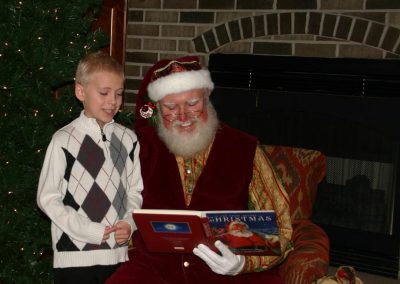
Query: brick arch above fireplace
(335,26)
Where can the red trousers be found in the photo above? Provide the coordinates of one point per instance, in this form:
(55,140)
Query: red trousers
(160,268)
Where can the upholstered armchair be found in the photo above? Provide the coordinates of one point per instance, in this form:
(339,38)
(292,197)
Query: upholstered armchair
(301,170)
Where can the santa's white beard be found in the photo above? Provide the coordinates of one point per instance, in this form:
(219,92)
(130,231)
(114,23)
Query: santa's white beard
(186,144)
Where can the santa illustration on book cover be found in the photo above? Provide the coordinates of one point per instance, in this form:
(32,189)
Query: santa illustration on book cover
(247,236)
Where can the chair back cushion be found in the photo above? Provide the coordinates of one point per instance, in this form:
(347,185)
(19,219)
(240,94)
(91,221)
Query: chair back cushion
(301,170)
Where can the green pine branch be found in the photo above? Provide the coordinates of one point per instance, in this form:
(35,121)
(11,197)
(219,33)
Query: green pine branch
(41,42)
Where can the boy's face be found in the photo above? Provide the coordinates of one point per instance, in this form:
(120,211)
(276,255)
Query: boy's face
(101,96)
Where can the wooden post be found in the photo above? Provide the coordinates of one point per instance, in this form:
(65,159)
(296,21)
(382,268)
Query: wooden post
(113,21)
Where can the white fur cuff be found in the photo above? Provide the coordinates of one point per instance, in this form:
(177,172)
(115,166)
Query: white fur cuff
(179,82)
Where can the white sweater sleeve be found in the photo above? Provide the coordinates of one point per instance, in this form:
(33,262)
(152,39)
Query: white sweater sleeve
(134,190)
(50,200)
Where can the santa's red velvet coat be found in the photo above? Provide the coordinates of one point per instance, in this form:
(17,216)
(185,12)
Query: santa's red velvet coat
(223,185)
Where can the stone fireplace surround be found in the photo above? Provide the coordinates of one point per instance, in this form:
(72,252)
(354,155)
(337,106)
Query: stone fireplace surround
(324,28)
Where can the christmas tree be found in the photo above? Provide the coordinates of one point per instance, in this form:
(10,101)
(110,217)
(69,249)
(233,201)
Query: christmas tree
(41,42)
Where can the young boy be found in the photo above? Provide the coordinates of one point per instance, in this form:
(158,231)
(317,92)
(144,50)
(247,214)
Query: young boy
(91,179)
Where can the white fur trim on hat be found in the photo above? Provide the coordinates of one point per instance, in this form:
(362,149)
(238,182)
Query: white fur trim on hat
(179,82)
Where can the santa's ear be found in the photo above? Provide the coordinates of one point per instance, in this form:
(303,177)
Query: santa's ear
(79,92)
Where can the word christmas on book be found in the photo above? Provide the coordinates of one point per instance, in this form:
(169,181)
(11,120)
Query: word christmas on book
(243,218)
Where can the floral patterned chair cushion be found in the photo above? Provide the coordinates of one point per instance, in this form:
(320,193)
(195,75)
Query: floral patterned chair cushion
(301,170)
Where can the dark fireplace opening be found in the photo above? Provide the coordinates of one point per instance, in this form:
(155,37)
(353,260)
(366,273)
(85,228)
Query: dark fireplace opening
(349,109)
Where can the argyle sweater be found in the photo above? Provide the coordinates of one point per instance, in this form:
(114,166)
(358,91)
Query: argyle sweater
(90,179)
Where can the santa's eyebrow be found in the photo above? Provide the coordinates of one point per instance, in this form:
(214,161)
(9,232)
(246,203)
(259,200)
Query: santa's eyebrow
(188,102)
(192,101)
(169,105)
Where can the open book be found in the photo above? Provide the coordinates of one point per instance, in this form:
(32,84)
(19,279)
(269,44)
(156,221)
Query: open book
(244,232)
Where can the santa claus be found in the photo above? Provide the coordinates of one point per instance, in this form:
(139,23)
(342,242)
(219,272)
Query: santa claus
(240,238)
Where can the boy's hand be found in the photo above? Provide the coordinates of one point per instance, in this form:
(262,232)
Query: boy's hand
(122,232)
(107,231)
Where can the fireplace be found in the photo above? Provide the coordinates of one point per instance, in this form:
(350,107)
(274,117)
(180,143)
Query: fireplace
(349,109)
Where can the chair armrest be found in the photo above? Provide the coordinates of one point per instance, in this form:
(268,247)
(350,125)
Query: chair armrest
(310,258)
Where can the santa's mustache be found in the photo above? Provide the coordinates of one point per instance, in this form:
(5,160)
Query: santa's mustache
(185,123)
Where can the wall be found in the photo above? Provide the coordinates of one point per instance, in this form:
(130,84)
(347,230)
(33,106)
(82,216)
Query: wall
(326,28)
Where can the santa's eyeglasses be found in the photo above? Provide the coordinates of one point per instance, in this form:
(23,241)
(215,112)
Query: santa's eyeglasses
(190,109)
(171,117)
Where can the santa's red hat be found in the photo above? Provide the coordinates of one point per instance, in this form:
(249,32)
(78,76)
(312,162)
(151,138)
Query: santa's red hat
(178,76)
(166,77)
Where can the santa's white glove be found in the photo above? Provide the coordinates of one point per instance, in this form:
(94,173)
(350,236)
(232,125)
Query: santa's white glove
(226,264)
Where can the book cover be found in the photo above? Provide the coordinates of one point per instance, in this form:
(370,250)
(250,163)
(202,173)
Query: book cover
(244,232)
(172,230)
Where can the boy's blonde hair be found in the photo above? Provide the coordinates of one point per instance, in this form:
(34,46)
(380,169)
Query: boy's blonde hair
(95,62)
